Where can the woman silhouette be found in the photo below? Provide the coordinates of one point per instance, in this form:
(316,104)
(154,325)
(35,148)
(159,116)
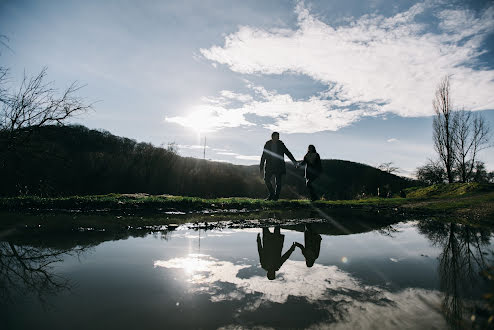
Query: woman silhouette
(312,246)
(313,169)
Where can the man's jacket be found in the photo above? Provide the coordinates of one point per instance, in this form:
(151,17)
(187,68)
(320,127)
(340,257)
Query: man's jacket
(273,159)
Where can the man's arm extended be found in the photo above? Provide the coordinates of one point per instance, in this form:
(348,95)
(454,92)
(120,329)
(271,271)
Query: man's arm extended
(289,154)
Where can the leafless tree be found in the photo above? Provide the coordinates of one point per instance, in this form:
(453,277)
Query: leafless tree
(443,126)
(36,103)
(471,135)
(388,167)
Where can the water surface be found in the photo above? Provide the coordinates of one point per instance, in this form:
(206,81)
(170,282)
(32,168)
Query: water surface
(410,274)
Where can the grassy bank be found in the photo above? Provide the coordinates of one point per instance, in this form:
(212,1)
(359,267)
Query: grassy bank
(468,200)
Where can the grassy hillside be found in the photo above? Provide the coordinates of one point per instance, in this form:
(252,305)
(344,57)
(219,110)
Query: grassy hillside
(74,160)
(449,190)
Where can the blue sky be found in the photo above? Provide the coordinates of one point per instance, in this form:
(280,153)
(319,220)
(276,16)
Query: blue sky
(354,78)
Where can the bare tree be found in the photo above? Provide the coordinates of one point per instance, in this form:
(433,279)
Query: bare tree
(36,103)
(471,135)
(443,126)
(388,167)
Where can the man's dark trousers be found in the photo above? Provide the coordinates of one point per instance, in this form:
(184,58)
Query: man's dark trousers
(273,193)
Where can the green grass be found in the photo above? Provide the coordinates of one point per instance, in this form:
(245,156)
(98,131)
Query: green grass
(471,198)
(449,190)
(122,201)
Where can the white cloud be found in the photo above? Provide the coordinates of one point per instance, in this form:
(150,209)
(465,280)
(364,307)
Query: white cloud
(290,116)
(209,118)
(236,96)
(392,140)
(218,160)
(462,24)
(372,65)
(226,153)
(191,146)
(238,156)
(245,157)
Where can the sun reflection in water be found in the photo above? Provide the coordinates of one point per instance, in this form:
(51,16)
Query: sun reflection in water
(191,264)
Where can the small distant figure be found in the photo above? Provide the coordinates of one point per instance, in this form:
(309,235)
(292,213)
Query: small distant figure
(312,246)
(273,164)
(270,251)
(313,168)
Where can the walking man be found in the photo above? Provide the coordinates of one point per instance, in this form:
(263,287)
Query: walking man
(273,164)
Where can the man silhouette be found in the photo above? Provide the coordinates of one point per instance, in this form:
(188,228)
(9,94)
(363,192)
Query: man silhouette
(273,164)
(270,251)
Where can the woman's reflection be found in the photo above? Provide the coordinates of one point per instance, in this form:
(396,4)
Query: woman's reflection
(270,251)
(312,242)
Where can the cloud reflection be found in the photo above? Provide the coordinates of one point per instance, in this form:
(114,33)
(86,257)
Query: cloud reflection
(328,287)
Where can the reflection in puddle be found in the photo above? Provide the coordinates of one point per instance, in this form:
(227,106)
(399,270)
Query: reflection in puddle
(328,288)
(28,270)
(464,255)
(406,275)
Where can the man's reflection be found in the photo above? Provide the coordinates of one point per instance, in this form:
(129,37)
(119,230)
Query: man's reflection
(312,242)
(270,251)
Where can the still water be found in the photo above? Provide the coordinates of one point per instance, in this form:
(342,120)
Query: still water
(410,274)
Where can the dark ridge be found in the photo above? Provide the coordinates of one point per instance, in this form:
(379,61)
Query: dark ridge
(75,160)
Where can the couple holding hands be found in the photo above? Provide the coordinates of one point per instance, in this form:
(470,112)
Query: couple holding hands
(273,164)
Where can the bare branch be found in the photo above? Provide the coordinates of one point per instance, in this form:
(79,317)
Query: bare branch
(388,167)
(37,103)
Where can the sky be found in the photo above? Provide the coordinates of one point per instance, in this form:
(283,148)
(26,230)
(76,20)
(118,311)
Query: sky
(354,78)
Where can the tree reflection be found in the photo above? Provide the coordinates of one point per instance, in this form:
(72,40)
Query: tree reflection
(460,262)
(30,270)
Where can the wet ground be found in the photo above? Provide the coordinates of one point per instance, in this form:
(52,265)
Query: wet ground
(340,271)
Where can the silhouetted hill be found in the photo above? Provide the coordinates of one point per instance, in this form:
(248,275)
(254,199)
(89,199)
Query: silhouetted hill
(72,160)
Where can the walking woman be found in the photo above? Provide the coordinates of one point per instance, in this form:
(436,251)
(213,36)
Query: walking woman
(313,169)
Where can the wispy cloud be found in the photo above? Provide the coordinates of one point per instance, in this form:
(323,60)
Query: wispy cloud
(315,114)
(191,146)
(392,140)
(209,118)
(227,153)
(245,157)
(238,156)
(371,66)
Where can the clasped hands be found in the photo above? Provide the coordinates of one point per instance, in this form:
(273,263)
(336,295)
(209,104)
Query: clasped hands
(296,164)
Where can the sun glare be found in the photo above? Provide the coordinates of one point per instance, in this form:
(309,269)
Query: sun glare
(193,263)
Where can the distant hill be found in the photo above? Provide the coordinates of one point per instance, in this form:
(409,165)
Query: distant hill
(75,160)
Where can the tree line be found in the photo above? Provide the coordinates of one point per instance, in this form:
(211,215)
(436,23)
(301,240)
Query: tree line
(70,160)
